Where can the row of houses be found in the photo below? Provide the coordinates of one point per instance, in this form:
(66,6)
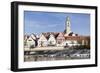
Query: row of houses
(54,39)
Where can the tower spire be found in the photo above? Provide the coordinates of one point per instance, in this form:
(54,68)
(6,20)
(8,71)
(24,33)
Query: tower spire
(68,25)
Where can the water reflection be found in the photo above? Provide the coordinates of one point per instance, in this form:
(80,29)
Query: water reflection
(67,54)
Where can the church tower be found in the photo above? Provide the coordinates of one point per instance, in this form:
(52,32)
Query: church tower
(68,25)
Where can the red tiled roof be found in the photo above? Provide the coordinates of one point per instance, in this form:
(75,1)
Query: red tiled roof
(76,37)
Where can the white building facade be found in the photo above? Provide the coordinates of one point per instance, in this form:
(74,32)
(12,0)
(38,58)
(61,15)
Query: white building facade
(51,40)
(42,41)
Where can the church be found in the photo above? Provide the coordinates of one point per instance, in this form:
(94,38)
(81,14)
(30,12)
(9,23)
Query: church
(71,37)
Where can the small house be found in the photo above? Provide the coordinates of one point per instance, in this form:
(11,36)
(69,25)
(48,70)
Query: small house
(51,40)
(31,42)
(60,39)
(42,41)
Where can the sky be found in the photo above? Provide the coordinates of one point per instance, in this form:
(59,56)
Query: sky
(38,22)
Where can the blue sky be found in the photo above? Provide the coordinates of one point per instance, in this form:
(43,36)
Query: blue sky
(38,22)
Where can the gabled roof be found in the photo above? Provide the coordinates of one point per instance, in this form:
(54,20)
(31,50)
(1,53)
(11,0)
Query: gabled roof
(61,33)
(42,35)
(47,35)
(60,37)
(33,35)
(30,36)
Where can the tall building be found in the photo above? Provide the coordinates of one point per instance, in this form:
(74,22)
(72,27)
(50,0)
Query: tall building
(68,25)
(73,37)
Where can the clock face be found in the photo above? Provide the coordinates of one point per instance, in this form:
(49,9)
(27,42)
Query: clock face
(68,24)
